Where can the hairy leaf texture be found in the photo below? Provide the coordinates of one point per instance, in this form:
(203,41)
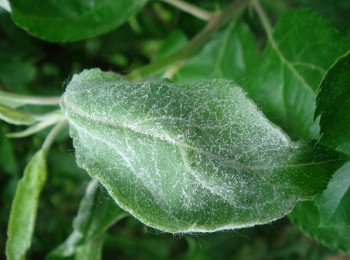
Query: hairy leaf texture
(198,157)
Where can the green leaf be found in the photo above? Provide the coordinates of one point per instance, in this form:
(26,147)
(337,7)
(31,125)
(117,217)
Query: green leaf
(335,11)
(16,117)
(190,158)
(228,54)
(24,207)
(306,217)
(172,43)
(333,203)
(175,41)
(64,21)
(284,82)
(97,212)
(333,104)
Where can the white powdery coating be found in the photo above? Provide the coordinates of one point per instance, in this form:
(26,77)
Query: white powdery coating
(193,158)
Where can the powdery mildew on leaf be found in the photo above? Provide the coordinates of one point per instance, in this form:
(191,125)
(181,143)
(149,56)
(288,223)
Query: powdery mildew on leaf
(192,158)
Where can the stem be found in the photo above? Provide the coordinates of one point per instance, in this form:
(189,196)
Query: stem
(264,20)
(192,46)
(173,69)
(51,136)
(191,9)
(47,116)
(31,100)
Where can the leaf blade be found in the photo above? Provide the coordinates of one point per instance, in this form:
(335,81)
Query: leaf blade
(71,21)
(333,105)
(24,207)
(284,83)
(333,202)
(228,54)
(189,151)
(306,217)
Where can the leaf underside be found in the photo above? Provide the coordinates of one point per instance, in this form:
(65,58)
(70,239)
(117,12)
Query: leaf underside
(189,158)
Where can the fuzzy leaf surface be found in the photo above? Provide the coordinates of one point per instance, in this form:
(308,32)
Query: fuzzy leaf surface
(189,158)
(64,21)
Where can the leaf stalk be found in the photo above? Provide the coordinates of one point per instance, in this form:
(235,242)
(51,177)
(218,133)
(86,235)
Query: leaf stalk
(192,9)
(52,135)
(30,100)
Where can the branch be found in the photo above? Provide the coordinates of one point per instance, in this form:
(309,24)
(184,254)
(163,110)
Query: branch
(191,9)
(264,20)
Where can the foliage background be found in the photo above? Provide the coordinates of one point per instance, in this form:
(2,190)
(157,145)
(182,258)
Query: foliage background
(31,66)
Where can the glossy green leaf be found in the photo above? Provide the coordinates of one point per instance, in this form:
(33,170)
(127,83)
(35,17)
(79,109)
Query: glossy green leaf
(284,82)
(16,117)
(24,207)
(228,54)
(190,158)
(97,212)
(333,105)
(333,203)
(307,218)
(63,21)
